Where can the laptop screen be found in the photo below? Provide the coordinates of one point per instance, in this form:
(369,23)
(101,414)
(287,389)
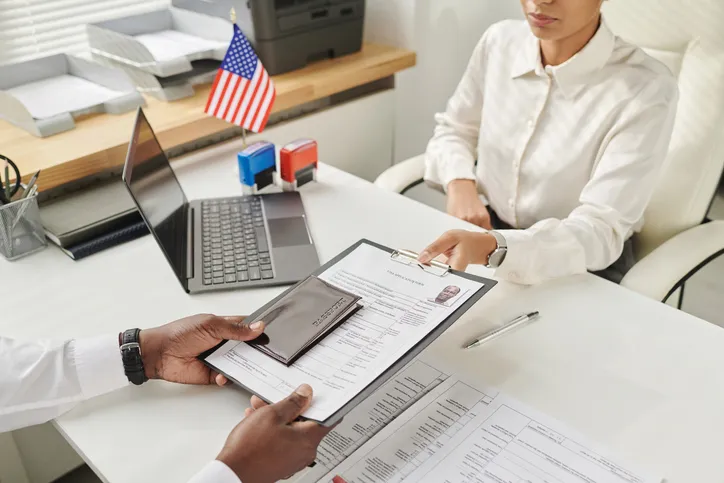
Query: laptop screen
(158,194)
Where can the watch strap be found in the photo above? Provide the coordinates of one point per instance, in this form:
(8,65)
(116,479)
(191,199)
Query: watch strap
(131,356)
(497,258)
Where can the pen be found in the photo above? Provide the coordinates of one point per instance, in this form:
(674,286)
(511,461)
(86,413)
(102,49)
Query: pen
(31,184)
(8,188)
(494,334)
(21,212)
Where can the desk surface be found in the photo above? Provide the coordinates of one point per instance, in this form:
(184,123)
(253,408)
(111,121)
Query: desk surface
(638,376)
(99,142)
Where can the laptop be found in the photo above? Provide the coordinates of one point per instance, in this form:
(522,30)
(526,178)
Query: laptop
(217,244)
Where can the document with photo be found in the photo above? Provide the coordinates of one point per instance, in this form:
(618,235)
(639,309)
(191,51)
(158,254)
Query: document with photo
(401,305)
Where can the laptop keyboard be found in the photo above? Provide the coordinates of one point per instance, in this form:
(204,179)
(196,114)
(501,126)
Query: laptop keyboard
(234,243)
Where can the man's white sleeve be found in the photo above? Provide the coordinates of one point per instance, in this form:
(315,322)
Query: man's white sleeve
(215,472)
(41,380)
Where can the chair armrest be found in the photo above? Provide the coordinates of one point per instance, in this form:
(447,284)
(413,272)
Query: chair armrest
(402,175)
(659,273)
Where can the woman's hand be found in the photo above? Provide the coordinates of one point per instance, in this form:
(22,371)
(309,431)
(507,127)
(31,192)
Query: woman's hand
(463,202)
(461,248)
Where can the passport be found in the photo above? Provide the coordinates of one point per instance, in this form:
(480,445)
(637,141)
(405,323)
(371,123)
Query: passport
(302,318)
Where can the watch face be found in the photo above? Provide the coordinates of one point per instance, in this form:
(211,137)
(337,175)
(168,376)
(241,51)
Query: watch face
(496,258)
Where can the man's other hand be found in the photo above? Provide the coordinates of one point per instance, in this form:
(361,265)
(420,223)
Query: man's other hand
(269,444)
(170,352)
(463,202)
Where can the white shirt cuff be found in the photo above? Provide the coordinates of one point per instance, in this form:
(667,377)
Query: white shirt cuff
(215,472)
(99,365)
(516,267)
(454,168)
(538,254)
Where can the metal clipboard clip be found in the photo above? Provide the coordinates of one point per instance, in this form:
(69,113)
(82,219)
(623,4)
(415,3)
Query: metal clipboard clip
(408,257)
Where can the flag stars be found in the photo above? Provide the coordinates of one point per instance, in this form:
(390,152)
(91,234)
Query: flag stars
(244,92)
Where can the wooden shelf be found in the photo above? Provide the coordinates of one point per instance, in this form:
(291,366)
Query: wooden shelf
(99,142)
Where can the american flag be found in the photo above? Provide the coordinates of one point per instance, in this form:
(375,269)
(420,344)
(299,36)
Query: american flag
(243,93)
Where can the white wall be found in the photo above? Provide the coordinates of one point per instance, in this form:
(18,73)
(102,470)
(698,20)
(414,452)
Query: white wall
(443,33)
(356,136)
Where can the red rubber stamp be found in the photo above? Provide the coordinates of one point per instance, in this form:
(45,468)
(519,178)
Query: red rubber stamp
(299,161)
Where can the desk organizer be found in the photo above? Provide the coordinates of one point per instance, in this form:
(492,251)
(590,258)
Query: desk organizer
(167,88)
(166,52)
(21,231)
(44,96)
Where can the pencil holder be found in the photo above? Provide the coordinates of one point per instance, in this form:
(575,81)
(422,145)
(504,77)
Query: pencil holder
(21,232)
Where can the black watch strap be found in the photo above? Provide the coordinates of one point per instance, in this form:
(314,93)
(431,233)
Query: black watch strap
(131,356)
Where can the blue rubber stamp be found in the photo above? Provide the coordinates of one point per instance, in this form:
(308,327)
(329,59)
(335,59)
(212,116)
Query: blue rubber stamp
(257,167)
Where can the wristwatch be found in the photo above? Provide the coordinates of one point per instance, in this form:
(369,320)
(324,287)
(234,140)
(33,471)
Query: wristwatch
(131,356)
(497,258)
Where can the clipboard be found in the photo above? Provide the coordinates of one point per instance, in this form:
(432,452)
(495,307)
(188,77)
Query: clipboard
(401,256)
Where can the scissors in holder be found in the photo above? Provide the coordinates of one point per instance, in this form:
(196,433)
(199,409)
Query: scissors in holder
(8,188)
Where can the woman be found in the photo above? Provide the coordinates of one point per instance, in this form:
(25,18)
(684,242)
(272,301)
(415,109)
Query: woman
(570,126)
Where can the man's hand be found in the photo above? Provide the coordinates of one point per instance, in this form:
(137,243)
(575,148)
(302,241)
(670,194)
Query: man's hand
(463,202)
(462,248)
(269,445)
(170,352)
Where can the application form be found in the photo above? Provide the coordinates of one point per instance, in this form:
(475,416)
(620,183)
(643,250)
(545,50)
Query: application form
(466,433)
(512,443)
(384,405)
(418,435)
(401,303)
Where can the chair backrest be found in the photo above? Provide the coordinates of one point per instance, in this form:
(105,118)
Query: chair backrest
(687,36)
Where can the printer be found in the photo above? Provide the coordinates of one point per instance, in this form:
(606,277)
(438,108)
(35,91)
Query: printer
(288,34)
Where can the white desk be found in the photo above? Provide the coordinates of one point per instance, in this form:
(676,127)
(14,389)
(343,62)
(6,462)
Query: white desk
(636,375)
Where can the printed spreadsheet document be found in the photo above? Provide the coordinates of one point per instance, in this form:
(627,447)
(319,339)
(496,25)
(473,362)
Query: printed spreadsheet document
(425,426)
(401,303)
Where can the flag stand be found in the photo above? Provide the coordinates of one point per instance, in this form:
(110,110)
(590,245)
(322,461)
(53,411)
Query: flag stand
(232,16)
(242,81)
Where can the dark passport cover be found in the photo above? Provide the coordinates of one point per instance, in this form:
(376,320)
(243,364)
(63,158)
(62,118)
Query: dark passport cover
(302,318)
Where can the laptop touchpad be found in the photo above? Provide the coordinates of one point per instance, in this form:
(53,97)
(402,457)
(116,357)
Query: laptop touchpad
(288,232)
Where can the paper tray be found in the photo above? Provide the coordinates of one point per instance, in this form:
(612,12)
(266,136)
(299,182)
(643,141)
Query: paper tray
(167,88)
(44,96)
(162,42)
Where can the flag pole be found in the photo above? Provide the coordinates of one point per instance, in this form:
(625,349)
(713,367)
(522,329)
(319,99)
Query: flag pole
(232,16)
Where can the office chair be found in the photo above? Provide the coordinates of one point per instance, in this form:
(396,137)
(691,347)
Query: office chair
(677,239)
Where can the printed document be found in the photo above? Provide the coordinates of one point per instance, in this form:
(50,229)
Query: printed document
(401,303)
(386,404)
(463,432)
